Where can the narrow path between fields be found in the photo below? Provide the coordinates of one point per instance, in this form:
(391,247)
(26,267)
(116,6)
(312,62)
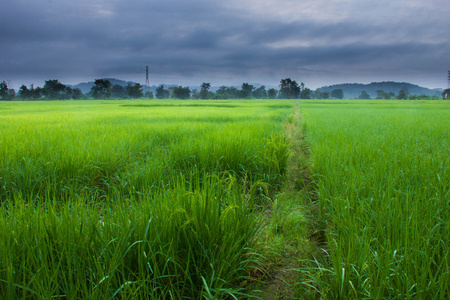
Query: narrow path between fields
(292,216)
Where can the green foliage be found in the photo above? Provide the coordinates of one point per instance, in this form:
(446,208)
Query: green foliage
(5,92)
(3,89)
(446,94)
(162,93)
(272,93)
(24,93)
(382,95)
(135,199)
(134,91)
(353,90)
(337,94)
(403,94)
(76,94)
(364,95)
(260,92)
(289,89)
(181,92)
(204,91)
(306,93)
(246,91)
(276,155)
(179,242)
(321,94)
(227,93)
(32,93)
(53,89)
(101,89)
(107,152)
(149,95)
(383,177)
(117,92)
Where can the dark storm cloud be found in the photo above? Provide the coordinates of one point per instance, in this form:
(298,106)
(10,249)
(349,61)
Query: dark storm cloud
(320,42)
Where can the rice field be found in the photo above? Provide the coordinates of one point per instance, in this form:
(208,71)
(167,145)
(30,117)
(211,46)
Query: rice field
(178,199)
(135,199)
(383,186)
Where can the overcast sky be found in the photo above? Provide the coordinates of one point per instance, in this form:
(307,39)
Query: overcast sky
(227,42)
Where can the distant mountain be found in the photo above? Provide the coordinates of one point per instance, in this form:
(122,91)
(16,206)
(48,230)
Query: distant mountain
(353,90)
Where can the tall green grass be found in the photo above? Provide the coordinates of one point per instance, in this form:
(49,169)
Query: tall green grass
(177,243)
(383,178)
(135,199)
(129,147)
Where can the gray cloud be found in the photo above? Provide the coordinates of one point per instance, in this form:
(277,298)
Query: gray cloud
(187,42)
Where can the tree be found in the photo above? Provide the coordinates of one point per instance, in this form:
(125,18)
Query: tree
(337,94)
(222,93)
(246,90)
(77,94)
(321,95)
(101,89)
(260,92)
(446,94)
(161,93)
(11,94)
(382,94)
(67,94)
(149,95)
(272,93)
(403,94)
(5,92)
(195,94)
(289,89)
(204,91)
(306,93)
(36,93)
(364,95)
(117,92)
(225,92)
(53,89)
(181,92)
(24,92)
(134,91)
(3,89)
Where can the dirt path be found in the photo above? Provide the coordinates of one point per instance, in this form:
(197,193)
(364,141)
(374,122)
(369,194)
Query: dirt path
(284,274)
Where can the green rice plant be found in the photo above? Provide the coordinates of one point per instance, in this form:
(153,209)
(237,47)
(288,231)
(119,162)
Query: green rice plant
(134,199)
(276,155)
(382,175)
(179,242)
(130,147)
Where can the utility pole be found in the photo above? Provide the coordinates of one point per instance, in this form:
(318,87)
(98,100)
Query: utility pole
(449,79)
(147,82)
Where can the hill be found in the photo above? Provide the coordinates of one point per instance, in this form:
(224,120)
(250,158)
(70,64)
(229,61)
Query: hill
(353,90)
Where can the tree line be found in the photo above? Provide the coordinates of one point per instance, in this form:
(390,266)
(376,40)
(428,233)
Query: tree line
(104,89)
(55,90)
